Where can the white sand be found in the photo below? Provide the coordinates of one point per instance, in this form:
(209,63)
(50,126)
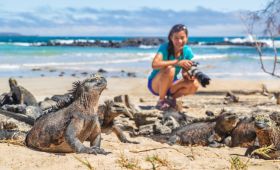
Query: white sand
(178,157)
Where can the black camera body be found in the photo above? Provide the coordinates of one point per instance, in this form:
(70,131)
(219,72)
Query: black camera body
(203,79)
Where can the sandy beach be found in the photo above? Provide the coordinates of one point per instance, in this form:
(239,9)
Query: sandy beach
(174,157)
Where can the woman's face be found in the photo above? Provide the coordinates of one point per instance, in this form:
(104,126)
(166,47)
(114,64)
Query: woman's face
(179,39)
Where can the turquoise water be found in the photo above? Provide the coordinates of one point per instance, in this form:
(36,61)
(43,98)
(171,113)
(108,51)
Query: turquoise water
(20,55)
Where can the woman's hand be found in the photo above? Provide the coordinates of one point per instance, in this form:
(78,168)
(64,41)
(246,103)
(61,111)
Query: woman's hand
(185,64)
(186,75)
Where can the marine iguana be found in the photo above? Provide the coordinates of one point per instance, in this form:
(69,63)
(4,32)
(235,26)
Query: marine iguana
(206,133)
(65,130)
(107,113)
(243,135)
(18,95)
(268,134)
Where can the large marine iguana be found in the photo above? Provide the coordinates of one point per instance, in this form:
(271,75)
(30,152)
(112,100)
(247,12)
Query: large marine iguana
(107,112)
(206,133)
(65,130)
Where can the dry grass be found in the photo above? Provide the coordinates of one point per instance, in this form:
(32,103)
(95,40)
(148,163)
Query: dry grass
(85,162)
(157,162)
(237,164)
(124,162)
(264,151)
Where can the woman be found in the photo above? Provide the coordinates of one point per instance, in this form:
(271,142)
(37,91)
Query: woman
(167,64)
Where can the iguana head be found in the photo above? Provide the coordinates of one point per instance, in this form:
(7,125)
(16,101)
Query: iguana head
(12,82)
(109,110)
(95,84)
(264,128)
(226,122)
(262,123)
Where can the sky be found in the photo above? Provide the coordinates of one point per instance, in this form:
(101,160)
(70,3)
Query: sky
(125,17)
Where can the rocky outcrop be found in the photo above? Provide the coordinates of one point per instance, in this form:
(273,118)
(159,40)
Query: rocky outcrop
(131,42)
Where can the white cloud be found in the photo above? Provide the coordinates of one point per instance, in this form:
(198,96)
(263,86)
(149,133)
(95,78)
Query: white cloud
(146,21)
(218,29)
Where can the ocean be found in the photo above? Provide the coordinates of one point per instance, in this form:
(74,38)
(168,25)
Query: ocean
(21,56)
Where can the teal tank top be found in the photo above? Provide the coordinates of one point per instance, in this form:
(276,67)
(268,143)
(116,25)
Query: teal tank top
(163,50)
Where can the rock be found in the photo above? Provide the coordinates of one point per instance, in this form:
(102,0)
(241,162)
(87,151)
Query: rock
(102,71)
(161,129)
(144,130)
(141,100)
(36,69)
(17,108)
(209,113)
(144,118)
(52,70)
(47,104)
(33,112)
(84,73)
(130,42)
(277,96)
(131,74)
(230,97)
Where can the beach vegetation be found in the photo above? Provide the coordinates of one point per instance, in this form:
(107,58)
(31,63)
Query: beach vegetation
(264,151)
(265,23)
(157,161)
(127,163)
(85,163)
(237,164)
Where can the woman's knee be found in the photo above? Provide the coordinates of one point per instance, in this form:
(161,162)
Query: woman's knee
(195,85)
(192,87)
(170,70)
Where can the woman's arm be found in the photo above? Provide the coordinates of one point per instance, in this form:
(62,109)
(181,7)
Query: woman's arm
(159,63)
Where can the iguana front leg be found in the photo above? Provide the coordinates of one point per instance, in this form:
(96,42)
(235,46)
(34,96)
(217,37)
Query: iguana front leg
(173,139)
(250,149)
(95,136)
(213,141)
(71,136)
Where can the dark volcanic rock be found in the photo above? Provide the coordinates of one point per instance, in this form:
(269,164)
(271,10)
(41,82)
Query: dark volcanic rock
(102,71)
(136,42)
(131,42)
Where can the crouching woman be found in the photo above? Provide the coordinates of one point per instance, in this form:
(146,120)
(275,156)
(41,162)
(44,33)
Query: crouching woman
(167,64)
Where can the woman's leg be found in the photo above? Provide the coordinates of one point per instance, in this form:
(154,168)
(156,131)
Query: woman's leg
(163,81)
(184,87)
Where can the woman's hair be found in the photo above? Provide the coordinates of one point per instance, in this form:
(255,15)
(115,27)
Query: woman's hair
(176,28)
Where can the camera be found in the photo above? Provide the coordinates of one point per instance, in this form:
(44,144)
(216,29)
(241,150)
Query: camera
(203,79)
